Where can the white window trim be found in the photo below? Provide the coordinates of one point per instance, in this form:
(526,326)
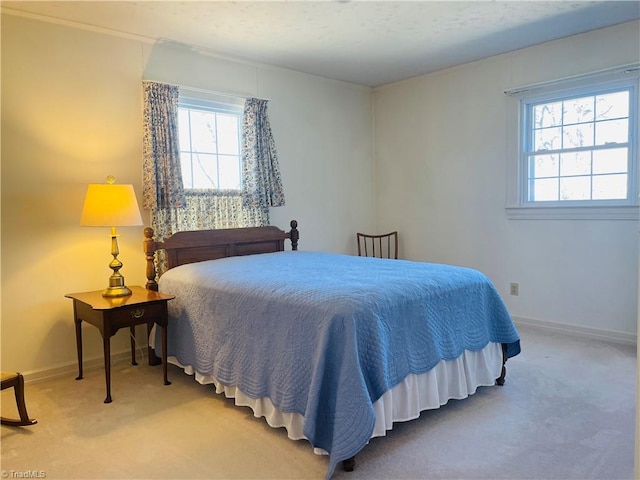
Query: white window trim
(517,208)
(207,99)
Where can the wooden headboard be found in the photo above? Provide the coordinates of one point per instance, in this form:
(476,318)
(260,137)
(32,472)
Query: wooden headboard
(196,246)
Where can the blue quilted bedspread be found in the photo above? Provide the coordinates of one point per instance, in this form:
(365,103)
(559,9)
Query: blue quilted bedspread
(326,335)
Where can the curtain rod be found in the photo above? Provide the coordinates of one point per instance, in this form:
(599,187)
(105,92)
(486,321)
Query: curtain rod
(203,90)
(623,69)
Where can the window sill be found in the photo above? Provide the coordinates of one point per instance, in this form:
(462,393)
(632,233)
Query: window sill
(630,212)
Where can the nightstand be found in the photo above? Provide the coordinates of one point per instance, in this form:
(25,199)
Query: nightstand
(109,314)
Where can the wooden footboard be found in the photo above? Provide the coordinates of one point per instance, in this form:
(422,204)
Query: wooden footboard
(196,246)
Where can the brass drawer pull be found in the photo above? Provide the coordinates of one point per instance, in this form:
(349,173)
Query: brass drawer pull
(138,313)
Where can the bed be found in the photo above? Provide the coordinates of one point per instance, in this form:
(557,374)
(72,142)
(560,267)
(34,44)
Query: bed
(335,348)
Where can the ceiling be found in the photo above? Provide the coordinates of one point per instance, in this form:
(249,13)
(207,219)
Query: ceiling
(369,43)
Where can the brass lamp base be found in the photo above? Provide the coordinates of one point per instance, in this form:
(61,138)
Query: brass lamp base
(122,291)
(116,288)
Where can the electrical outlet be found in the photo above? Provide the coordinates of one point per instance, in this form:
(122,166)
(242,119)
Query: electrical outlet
(514,289)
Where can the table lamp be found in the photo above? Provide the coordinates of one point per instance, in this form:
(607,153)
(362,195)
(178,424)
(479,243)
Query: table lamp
(111,205)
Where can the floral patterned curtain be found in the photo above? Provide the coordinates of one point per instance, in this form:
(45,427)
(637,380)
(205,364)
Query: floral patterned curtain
(262,184)
(205,210)
(161,173)
(174,209)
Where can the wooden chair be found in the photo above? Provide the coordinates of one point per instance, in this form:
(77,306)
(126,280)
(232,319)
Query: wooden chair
(381,246)
(15,380)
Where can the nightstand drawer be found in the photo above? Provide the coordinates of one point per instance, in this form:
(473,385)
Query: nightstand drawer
(138,314)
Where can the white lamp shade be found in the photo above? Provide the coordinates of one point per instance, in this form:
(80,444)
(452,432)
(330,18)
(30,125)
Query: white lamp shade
(109,205)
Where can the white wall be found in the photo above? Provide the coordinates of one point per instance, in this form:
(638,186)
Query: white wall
(72,114)
(441,180)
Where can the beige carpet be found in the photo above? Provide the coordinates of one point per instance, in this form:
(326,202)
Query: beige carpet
(566,412)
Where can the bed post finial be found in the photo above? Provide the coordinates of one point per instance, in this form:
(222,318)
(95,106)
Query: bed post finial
(149,247)
(294,235)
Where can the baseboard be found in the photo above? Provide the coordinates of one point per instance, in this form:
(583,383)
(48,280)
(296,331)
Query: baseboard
(71,369)
(588,332)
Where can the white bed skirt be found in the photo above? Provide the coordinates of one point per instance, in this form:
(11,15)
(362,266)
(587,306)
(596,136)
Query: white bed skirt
(449,379)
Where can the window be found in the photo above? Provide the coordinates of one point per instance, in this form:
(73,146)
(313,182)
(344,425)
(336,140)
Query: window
(577,146)
(210,144)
